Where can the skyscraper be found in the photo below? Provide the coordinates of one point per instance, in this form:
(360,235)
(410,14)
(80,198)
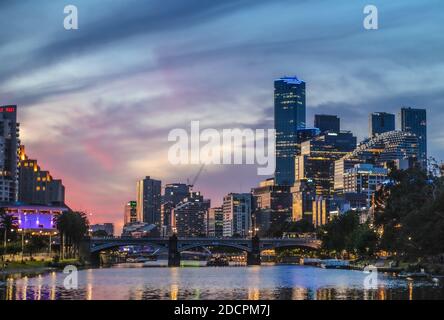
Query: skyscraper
(237,215)
(130,215)
(380,122)
(271,205)
(316,163)
(415,121)
(9,144)
(327,123)
(174,194)
(37,186)
(149,200)
(289,116)
(215,222)
(189,217)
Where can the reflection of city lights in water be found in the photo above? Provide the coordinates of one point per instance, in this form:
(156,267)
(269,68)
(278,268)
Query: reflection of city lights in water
(38,292)
(89,286)
(53,286)
(197,294)
(89,291)
(138,293)
(174,275)
(24,288)
(410,290)
(299,293)
(174,291)
(253,294)
(254,281)
(381,294)
(9,289)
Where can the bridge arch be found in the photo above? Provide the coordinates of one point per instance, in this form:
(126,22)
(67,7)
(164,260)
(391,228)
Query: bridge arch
(216,244)
(113,245)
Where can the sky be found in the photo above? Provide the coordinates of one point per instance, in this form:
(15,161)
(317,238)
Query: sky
(96,104)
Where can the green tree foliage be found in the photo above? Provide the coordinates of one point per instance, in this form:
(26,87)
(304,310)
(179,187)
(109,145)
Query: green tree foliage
(410,213)
(277,230)
(346,234)
(8,222)
(73,226)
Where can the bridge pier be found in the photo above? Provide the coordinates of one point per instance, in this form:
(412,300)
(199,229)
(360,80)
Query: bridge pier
(173,252)
(254,257)
(91,258)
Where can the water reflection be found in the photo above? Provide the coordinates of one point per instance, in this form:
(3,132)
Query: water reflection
(253,283)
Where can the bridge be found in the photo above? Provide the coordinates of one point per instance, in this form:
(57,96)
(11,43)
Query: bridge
(91,247)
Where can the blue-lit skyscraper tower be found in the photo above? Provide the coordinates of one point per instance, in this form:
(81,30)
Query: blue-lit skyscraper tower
(289,116)
(415,121)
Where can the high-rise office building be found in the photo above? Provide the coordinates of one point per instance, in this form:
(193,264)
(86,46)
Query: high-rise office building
(149,200)
(130,214)
(9,144)
(387,147)
(318,155)
(364,178)
(380,122)
(216,222)
(189,217)
(327,123)
(303,195)
(415,121)
(37,186)
(237,215)
(289,116)
(271,206)
(173,195)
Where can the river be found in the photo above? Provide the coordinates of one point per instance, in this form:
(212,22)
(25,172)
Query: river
(286,282)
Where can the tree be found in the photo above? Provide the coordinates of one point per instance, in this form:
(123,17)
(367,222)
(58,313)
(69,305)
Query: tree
(277,229)
(8,222)
(410,213)
(73,226)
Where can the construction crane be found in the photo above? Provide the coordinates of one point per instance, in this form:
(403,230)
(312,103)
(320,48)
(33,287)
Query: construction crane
(195,178)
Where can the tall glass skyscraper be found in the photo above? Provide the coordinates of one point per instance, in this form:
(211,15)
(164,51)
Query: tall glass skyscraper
(289,116)
(415,121)
(380,122)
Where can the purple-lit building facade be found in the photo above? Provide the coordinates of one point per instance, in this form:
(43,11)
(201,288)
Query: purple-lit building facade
(35,217)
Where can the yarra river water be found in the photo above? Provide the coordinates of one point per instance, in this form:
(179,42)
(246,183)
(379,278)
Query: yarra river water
(287,282)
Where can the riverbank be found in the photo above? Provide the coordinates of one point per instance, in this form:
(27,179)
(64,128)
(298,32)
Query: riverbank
(37,267)
(395,266)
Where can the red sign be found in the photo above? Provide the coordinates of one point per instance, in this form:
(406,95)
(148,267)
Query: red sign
(7,109)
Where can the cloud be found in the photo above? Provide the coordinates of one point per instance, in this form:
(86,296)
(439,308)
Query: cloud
(96,104)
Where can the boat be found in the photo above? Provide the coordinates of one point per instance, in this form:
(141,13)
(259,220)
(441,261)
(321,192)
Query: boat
(310,262)
(218,262)
(415,275)
(334,264)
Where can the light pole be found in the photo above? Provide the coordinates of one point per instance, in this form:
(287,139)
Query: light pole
(5,242)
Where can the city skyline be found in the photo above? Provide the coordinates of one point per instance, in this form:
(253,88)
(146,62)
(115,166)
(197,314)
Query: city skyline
(107,150)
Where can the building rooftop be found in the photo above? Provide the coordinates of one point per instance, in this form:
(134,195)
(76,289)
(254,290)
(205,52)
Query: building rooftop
(291,80)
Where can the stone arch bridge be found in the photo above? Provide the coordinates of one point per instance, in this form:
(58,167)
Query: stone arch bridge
(91,247)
